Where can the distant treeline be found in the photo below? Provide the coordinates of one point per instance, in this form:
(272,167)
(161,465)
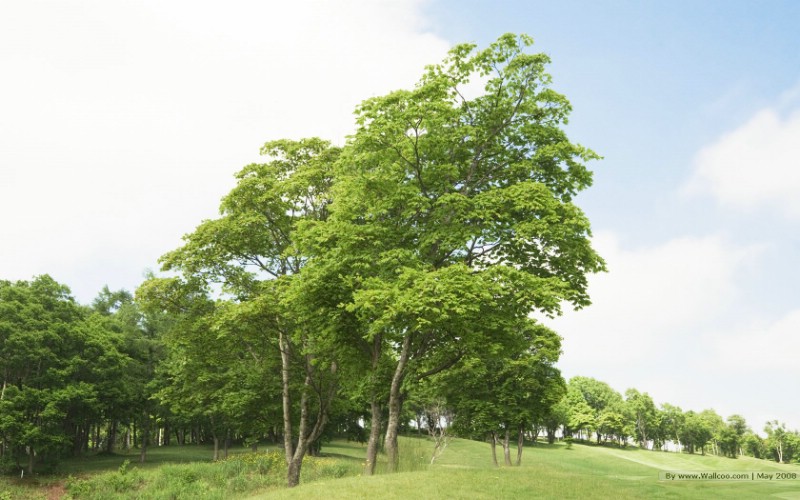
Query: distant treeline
(593,408)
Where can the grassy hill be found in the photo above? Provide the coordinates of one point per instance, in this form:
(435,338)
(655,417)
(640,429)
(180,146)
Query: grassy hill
(463,471)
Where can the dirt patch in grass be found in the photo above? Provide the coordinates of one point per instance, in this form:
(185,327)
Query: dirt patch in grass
(56,491)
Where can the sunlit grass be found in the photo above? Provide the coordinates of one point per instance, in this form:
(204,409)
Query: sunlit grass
(465,470)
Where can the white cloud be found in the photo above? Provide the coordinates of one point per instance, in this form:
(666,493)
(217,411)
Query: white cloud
(124,122)
(650,314)
(756,363)
(650,298)
(772,346)
(755,165)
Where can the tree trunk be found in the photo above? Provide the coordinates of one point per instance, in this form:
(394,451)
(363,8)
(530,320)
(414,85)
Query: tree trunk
(375,412)
(395,403)
(216,446)
(374,436)
(293,473)
(493,443)
(287,401)
(520,444)
(112,437)
(296,460)
(145,438)
(506,449)
(305,436)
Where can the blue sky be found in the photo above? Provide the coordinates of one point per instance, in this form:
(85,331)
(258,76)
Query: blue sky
(691,104)
(123,124)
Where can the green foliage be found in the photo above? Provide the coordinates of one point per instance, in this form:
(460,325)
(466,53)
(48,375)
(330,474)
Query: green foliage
(63,367)
(234,476)
(452,219)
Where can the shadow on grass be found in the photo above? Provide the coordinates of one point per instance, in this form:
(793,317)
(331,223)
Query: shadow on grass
(156,456)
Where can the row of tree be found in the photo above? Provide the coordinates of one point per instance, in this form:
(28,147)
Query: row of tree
(592,408)
(93,378)
(72,376)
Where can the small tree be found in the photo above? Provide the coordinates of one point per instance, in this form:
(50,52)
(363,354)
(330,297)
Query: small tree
(252,251)
(776,438)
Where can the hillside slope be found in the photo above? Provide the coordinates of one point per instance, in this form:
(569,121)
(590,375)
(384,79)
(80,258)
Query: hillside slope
(465,471)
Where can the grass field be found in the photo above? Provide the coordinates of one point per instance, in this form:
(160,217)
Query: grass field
(463,471)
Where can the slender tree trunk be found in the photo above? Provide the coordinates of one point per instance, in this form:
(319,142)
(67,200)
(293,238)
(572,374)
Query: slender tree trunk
(31,460)
(375,412)
(287,400)
(296,460)
(395,403)
(493,443)
(167,436)
(87,434)
(145,439)
(227,443)
(520,444)
(216,446)
(112,436)
(374,436)
(305,436)
(506,448)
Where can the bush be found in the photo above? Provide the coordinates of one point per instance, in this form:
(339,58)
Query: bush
(8,466)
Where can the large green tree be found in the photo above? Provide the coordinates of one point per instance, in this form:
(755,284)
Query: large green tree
(453,214)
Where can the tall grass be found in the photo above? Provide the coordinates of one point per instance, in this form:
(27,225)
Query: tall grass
(229,478)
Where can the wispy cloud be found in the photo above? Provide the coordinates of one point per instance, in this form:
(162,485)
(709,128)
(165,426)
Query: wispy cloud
(755,166)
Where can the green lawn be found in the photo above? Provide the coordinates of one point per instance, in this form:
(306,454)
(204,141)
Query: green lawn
(463,471)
